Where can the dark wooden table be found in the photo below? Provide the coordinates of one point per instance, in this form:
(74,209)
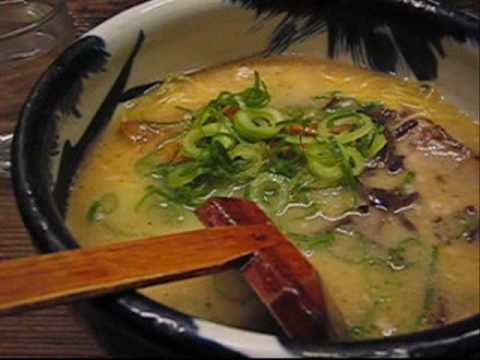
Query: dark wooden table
(52,332)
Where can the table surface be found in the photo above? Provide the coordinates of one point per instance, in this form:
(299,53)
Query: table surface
(53,332)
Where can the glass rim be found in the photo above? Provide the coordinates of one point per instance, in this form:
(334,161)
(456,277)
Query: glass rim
(57,4)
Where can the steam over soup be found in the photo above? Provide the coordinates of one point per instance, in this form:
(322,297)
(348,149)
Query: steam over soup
(375,179)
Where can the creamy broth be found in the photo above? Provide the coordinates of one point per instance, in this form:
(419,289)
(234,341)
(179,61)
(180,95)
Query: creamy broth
(410,269)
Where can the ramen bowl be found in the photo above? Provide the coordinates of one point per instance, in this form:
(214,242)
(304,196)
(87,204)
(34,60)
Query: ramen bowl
(74,101)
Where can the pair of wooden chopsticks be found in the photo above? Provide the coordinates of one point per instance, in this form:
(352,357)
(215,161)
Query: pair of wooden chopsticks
(239,234)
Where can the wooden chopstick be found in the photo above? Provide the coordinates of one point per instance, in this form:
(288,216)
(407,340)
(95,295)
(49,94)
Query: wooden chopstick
(68,276)
(288,285)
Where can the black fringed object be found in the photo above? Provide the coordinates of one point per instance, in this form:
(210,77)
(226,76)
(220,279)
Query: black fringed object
(380,33)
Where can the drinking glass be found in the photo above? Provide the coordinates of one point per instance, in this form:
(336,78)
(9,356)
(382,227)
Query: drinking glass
(32,35)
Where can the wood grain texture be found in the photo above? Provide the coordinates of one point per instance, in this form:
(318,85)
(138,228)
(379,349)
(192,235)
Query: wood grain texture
(52,332)
(38,281)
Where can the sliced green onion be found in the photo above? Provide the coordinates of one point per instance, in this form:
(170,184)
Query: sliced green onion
(251,157)
(322,163)
(299,139)
(305,183)
(107,204)
(287,160)
(344,157)
(208,115)
(146,165)
(310,242)
(334,161)
(226,140)
(256,96)
(356,160)
(362,124)
(191,146)
(150,191)
(257,125)
(366,126)
(93,214)
(301,114)
(269,191)
(378,144)
(332,115)
(184,174)
(430,291)
(237,138)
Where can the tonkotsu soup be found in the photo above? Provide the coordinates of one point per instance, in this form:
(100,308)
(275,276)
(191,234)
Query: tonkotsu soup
(375,179)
